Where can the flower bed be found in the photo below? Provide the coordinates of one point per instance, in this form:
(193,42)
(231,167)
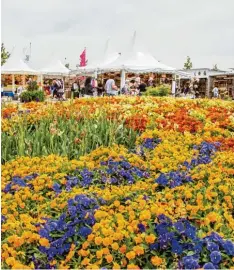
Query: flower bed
(155,192)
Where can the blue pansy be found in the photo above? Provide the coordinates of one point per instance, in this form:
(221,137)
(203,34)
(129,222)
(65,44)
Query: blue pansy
(176,247)
(141,227)
(84,231)
(208,266)
(229,247)
(212,246)
(56,187)
(215,257)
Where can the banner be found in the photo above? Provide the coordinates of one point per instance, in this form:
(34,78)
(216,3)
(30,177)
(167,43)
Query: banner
(83,58)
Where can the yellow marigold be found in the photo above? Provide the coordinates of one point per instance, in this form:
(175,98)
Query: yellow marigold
(44,242)
(99,254)
(150,238)
(98,240)
(106,251)
(132,266)
(109,258)
(85,261)
(10,261)
(156,261)
(116,266)
(116,203)
(131,255)
(115,246)
(138,250)
(145,215)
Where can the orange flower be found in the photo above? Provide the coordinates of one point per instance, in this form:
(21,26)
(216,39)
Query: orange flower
(123,249)
(98,240)
(106,251)
(131,255)
(132,266)
(139,250)
(107,241)
(44,242)
(150,239)
(109,258)
(156,261)
(85,261)
(99,254)
(115,246)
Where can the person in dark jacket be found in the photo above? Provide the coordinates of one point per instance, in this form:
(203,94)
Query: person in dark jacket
(142,88)
(88,90)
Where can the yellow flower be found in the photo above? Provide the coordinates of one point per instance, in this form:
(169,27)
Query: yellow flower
(10,261)
(156,261)
(109,258)
(115,246)
(131,255)
(44,242)
(98,240)
(150,238)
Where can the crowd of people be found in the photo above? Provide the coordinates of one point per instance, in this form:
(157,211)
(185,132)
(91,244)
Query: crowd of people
(91,87)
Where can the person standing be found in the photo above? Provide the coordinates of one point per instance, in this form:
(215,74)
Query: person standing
(142,88)
(110,87)
(215,92)
(88,89)
(75,89)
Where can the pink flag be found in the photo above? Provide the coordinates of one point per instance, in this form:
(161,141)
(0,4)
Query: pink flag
(83,58)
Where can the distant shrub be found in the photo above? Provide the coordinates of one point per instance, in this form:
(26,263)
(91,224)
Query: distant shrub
(159,91)
(36,95)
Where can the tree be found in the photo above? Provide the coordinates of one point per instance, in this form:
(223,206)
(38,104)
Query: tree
(4,54)
(67,65)
(188,64)
(215,67)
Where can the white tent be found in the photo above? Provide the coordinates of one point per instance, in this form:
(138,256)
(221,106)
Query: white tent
(137,62)
(100,65)
(55,68)
(17,66)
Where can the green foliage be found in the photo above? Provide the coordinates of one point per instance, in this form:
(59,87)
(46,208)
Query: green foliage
(188,64)
(4,54)
(67,65)
(33,86)
(159,91)
(33,95)
(68,137)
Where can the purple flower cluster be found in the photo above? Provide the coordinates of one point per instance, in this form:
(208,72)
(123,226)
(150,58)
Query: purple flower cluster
(18,181)
(112,172)
(180,238)
(3,218)
(122,172)
(178,178)
(173,179)
(206,151)
(151,143)
(71,227)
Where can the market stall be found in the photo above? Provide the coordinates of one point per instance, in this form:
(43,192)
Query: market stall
(224,82)
(55,70)
(15,73)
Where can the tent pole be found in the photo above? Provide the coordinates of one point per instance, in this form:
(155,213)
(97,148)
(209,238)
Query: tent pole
(13,82)
(122,81)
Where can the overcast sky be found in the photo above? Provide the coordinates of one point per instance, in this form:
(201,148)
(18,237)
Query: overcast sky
(168,29)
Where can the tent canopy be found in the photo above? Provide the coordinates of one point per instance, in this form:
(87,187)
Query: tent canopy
(55,68)
(17,66)
(108,59)
(137,62)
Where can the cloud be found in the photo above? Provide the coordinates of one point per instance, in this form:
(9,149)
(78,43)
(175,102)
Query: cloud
(168,29)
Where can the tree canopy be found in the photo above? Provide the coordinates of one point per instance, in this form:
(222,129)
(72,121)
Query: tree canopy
(188,64)
(4,54)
